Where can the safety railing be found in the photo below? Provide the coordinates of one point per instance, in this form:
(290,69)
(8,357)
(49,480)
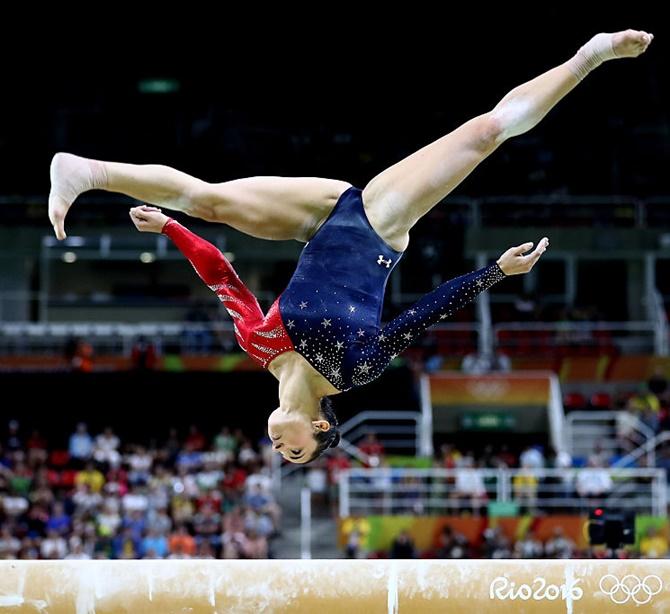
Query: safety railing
(394,491)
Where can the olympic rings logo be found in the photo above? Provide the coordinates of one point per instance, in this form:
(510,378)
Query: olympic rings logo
(631,588)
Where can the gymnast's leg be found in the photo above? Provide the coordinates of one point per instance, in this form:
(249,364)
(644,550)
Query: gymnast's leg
(277,208)
(397,198)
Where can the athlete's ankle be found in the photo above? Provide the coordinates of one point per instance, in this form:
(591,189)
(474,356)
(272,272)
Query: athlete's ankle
(591,55)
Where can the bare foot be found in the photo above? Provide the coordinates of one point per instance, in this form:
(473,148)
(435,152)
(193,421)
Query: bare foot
(630,43)
(70,177)
(608,46)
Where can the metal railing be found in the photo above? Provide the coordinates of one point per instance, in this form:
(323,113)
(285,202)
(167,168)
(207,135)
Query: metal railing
(395,430)
(646,451)
(612,430)
(113,337)
(660,320)
(392,491)
(626,337)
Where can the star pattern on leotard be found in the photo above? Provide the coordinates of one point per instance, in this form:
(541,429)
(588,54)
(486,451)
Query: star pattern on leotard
(364,368)
(336,326)
(403,330)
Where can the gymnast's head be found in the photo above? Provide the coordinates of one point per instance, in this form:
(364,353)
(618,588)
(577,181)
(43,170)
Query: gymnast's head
(300,438)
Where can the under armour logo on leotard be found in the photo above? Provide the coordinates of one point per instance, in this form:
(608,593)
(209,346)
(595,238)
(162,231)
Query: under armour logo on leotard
(381,261)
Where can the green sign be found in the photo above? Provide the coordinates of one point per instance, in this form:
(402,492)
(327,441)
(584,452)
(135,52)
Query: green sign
(503,510)
(487,421)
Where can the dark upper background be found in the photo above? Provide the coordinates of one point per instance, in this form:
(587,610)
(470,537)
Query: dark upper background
(338,98)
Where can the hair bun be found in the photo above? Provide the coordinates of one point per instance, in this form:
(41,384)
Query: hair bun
(335,441)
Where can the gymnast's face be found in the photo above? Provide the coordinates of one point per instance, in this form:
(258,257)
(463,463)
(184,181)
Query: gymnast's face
(292,435)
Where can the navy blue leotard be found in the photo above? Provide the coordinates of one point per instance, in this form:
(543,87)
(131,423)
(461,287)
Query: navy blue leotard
(332,306)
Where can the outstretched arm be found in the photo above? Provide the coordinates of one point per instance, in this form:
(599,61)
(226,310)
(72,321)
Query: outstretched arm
(455,294)
(207,260)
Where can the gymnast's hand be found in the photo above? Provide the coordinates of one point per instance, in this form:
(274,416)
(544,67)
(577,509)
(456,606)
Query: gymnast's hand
(148,219)
(513,261)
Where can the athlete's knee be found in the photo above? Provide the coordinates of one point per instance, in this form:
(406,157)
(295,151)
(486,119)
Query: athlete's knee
(207,201)
(488,131)
(513,116)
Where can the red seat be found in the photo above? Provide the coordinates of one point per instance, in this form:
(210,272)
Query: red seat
(601,401)
(68,477)
(59,458)
(574,401)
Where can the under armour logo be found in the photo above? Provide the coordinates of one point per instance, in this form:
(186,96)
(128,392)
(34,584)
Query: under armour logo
(381,261)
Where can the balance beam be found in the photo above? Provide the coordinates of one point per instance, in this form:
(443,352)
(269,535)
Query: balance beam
(199,587)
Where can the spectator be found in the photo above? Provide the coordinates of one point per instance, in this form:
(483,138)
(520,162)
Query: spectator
(37,449)
(155,543)
(373,448)
(140,463)
(13,441)
(255,546)
(451,545)
(258,479)
(77,552)
(403,547)
(181,543)
(525,485)
(143,355)
(356,531)
(108,520)
(451,457)
(495,545)
(9,544)
(126,545)
(105,449)
(532,458)
(205,551)
(91,477)
(483,363)
(225,442)
(528,547)
(53,547)
(81,444)
(559,546)
(646,406)
(246,455)
(195,442)
(654,545)
(59,521)
(469,486)
(593,482)
(207,525)
(82,358)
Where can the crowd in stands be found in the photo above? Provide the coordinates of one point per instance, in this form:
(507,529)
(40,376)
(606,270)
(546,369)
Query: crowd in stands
(104,498)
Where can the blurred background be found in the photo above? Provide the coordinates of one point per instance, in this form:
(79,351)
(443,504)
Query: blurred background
(132,426)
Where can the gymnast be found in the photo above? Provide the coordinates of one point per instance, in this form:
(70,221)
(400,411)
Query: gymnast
(323,335)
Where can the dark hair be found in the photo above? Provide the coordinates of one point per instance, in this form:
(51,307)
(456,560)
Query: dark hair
(331,437)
